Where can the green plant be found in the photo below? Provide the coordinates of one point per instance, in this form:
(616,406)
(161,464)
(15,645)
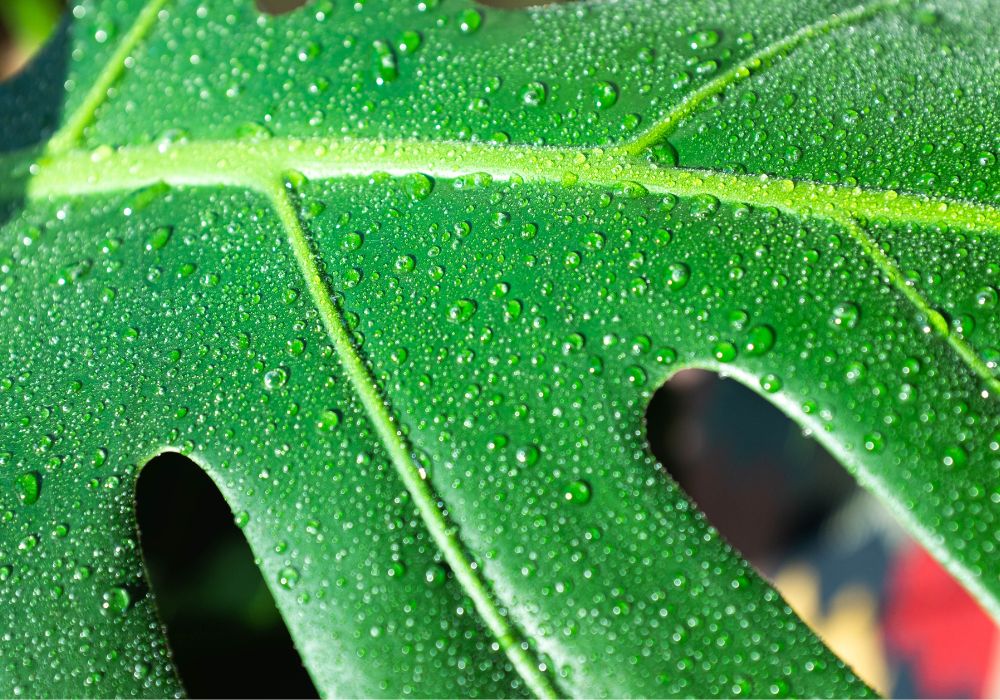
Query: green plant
(402,276)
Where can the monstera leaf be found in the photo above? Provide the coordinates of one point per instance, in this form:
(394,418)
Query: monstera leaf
(402,275)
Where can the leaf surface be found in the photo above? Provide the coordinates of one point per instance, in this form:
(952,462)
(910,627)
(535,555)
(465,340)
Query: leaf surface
(402,277)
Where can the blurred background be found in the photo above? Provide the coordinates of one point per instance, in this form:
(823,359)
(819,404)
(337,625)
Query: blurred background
(836,555)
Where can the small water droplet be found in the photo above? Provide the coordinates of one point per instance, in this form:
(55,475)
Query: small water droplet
(275,378)
(845,315)
(759,340)
(116,600)
(678,275)
(29,487)
(461,311)
(534,94)
(703,39)
(288,577)
(527,455)
(605,94)
(469,21)
(724,351)
(578,492)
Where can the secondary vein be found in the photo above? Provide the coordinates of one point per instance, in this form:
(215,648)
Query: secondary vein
(934,321)
(395,444)
(745,68)
(70,132)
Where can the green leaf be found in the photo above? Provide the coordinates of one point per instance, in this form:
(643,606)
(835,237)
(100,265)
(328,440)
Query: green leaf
(402,277)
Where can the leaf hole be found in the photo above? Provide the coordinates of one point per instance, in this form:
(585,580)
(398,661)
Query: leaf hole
(520,4)
(833,551)
(24,29)
(279,7)
(225,633)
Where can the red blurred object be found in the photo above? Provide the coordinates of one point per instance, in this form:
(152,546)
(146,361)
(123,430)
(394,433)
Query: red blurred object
(931,624)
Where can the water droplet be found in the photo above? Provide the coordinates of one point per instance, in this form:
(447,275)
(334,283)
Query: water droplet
(159,238)
(578,492)
(408,41)
(469,21)
(384,62)
(418,186)
(275,378)
(759,340)
(534,94)
(771,383)
(574,341)
(328,420)
(605,94)
(436,575)
(678,275)
(986,297)
(663,154)
(955,456)
(461,311)
(116,600)
(527,455)
(845,315)
(874,442)
(666,356)
(724,351)
(703,39)
(29,486)
(288,577)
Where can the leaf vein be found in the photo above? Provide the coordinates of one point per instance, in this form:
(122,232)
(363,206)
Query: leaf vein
(747,67)
(235,163)
(387,427)
(70,132)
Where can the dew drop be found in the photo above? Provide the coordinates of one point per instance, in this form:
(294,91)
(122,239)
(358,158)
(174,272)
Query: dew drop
(527,455)
(436,575)
(874,442)
(678,275)
(605,94)
(760,339)
(29,487)
(418,186)
(771,383)
(159,238)
(534,94)
(384,62)
(461,311)
(724,351)
(703,39)
(955,456)
(288,577)
(275,378)
(328,420)
(116,600)
(845,315)
(578,492)
(469,21)
(663,154)
(408,41)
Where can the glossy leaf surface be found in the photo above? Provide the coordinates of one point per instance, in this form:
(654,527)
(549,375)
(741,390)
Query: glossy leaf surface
(402,276)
